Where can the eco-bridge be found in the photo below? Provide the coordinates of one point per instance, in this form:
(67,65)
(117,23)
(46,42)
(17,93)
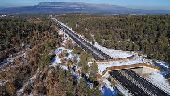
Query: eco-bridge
(136,85)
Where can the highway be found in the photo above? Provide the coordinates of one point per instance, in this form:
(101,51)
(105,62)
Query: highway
(155,90)
(137,85)
(135,90)
(97,54)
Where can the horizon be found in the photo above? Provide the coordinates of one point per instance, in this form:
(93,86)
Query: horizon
(140,4)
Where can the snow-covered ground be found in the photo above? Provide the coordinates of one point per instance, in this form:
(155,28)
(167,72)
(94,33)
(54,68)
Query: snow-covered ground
(158,80)
(114,53)
(102,67)
(56,60)
(20,92)
(108,84)
(107,89)
(161,64)
(64,67)
(69,56)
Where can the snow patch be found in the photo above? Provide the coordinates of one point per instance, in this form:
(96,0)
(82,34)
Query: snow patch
(64,67)
(59,50)
(31,94)
(161,63)
(108,84)
(60,32)
(114,53)
(56,60)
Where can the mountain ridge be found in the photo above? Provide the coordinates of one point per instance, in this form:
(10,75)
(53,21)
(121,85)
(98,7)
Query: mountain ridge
(78,7)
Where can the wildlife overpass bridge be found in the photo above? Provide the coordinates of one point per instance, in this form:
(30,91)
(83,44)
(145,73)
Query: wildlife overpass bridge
(136,85)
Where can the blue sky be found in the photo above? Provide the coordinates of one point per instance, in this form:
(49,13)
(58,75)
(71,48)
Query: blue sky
(141,4)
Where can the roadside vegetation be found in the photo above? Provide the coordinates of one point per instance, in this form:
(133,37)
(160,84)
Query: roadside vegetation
(149,34)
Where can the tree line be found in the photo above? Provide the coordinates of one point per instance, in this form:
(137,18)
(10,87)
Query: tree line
(149,34)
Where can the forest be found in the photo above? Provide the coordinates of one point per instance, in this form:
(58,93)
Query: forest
(37,36)
(17,33)
(147,34)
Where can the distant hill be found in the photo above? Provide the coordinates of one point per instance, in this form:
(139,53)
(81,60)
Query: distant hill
(78,7)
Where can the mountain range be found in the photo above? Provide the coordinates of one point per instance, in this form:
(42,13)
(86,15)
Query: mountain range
(77,7)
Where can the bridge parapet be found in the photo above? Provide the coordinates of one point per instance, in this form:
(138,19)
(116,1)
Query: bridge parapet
(139,65)
(144,67)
